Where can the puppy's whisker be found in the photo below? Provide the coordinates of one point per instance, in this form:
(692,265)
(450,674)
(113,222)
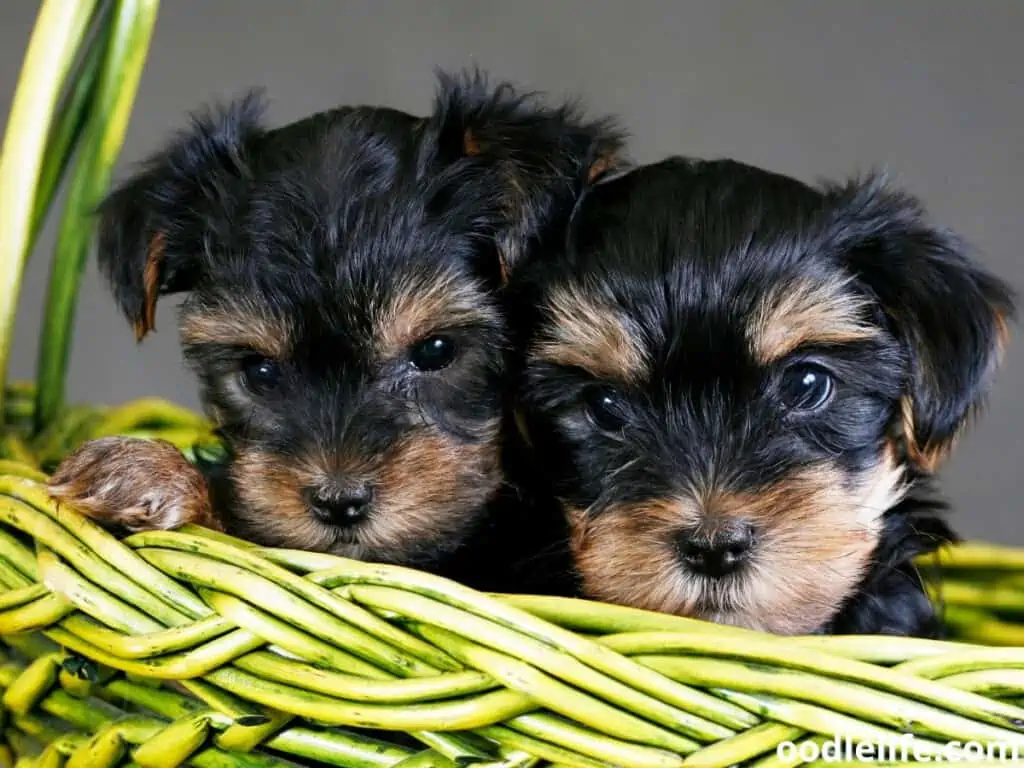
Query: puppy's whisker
(628,465)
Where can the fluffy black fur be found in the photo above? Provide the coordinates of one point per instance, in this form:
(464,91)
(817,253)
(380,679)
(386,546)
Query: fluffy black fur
(682,253)
(891,600)
(308,252)
(365,174)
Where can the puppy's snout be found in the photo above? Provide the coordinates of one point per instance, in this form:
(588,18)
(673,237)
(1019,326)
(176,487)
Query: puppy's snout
(340,503)
(716,551)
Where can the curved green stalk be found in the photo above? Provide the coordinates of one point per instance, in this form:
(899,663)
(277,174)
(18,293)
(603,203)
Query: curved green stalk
(861,701)
(132,29)
(776,651)
(58,33)
(73,114)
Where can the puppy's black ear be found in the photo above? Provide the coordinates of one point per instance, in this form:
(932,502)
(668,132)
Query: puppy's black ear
(528,161)
(952,315)
(155,228)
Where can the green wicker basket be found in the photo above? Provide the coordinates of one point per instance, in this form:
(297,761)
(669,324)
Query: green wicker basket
(192,648)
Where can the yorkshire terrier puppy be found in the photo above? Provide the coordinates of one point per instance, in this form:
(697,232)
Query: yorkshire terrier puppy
(343,314)
(738,385)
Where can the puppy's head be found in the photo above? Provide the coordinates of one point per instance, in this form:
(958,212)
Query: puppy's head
(343,276)
(732,377)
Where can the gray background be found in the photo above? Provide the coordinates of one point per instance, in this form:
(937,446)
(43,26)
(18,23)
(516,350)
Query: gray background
(932,90)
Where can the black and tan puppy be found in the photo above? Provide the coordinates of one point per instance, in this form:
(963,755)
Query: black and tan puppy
(738,385)
(343,314)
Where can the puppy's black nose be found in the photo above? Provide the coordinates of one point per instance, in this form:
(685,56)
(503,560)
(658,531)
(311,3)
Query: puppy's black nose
(716,553)
(340,506)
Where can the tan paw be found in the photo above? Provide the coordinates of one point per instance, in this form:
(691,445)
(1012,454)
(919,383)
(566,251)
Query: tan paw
(141,485)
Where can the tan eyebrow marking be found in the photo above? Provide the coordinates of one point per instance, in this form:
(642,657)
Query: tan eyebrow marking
(419,306)
(239,323)
(586,333)
(806,312)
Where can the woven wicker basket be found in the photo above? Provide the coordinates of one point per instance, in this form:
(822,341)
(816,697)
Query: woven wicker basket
(190,648)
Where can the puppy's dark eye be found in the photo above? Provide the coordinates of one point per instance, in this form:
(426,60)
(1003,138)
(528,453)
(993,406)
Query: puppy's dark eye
(806,387)
(604,406)
(433,353)
(260,374)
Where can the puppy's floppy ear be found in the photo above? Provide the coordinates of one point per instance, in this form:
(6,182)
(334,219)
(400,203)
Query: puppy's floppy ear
(155,228)
(952,315)
(523,161)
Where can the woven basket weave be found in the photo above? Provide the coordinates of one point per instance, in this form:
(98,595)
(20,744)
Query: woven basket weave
(192,648)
